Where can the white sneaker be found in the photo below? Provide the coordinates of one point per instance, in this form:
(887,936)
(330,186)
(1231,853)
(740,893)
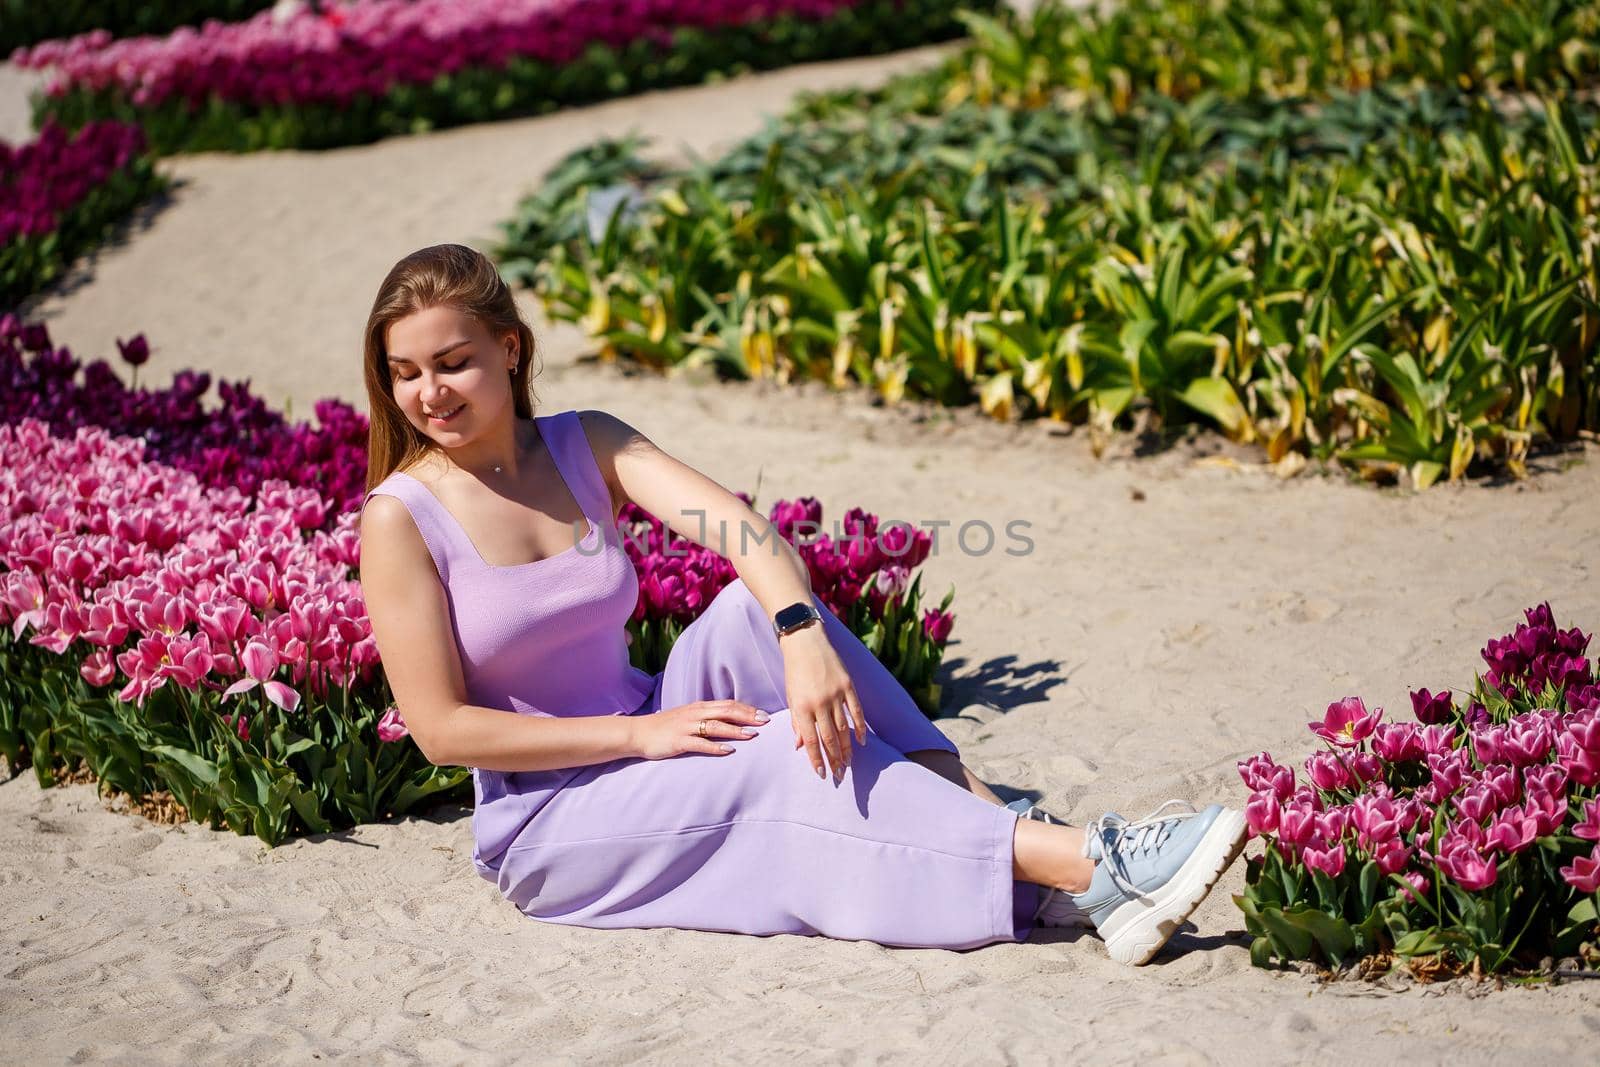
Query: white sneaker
(1056,907)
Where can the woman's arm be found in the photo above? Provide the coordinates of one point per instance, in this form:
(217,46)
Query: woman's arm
(699,509)
(416,642)
(825,709)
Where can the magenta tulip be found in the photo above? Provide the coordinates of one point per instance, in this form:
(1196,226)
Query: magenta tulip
(1346,723)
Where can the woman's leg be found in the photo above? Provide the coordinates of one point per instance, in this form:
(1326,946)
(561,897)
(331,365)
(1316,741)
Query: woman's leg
(1044,854)
(949,767)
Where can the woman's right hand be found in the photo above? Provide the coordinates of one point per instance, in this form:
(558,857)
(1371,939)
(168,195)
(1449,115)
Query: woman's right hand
(676,730)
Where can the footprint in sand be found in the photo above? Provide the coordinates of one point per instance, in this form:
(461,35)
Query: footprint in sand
(1312,609)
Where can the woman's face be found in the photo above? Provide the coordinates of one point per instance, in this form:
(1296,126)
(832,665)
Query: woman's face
(448,375)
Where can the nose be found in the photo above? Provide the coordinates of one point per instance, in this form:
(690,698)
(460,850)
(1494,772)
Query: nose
(433,390)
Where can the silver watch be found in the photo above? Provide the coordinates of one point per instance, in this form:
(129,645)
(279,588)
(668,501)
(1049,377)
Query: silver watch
(796,615)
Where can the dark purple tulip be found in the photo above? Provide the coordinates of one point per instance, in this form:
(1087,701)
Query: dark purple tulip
(1475,716)
(136,353)
(35,337)
(1432,709)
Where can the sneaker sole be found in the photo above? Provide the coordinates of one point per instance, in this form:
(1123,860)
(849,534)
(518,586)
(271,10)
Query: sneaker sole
(1136,931)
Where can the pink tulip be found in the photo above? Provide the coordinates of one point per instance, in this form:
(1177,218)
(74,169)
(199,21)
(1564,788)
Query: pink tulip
(98,668)
(1588,827)
(1261,813)
(1376,818)
(1468,869)
(1332,823)
(1547,778)
(391,727)
(1449,770)
(1584,873)
(1529,740)
(1436,740)
(189,661)
(1419,885)
(1330,861)
(1580,764)
(1297,822)
(1476,802)
(1327,771)
(1261,773)
(1365,767)
(1391,855)
(1397,741)
(1346,723)
(1585,730)
(1512,830)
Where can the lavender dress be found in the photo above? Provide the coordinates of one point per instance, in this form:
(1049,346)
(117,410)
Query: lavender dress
(752,842)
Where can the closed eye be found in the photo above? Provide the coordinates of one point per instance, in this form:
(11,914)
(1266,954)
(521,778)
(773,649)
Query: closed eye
(443,366)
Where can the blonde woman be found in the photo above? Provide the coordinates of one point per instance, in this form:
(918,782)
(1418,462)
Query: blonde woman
(699,797)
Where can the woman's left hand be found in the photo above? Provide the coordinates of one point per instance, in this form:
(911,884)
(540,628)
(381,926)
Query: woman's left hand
(822,699)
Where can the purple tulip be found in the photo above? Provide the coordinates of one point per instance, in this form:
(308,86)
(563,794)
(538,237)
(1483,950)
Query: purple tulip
(136,352)
(1432,709)
(1475,716)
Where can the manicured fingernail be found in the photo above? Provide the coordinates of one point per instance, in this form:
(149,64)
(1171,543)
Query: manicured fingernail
(820,774)
(762,716)
(747,731)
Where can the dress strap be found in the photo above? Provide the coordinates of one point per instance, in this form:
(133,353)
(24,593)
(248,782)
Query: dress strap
(574,457)
(437,531)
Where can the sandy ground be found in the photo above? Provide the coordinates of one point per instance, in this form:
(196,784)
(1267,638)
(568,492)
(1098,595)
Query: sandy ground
(1176,613)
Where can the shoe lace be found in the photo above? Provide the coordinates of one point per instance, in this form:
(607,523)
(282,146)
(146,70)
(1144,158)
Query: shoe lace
(1122,839)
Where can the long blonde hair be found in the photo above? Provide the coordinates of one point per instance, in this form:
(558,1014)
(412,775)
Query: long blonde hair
(452,276)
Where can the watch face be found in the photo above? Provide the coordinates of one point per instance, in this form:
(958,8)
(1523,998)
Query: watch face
(794,616)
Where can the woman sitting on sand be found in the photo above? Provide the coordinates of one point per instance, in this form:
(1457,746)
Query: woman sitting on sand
(609,797)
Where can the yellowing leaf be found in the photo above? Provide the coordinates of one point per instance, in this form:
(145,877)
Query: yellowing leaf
(996,398)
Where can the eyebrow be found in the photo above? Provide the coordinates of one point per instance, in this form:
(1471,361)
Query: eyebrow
(446,350)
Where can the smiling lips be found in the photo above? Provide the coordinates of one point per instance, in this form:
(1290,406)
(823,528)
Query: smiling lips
(446,416)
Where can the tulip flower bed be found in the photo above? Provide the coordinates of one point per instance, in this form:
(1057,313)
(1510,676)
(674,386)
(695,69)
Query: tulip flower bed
(358,71)
(237,443)
(172,631)
(60,193)
(863,575)
(24,22)
(1399,280)
(1469,835)
(186,639)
